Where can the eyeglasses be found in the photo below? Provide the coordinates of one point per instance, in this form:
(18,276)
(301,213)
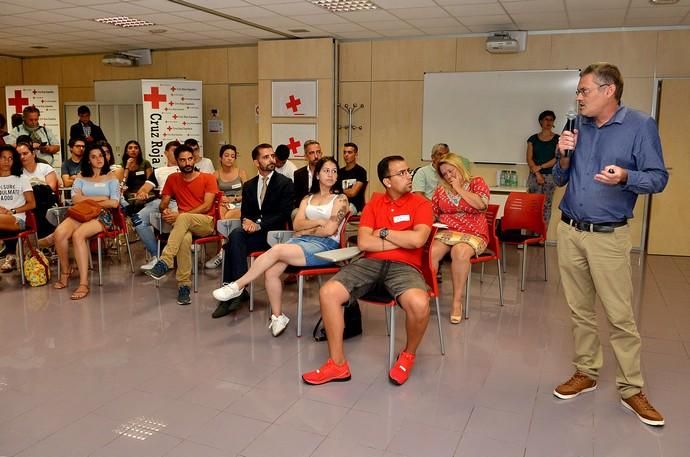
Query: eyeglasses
(585,92)
(401,173)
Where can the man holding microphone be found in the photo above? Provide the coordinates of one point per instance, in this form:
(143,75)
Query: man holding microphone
(612,155)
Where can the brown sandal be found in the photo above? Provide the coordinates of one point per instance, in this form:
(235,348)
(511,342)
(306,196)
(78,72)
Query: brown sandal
(64,280)
(80,292)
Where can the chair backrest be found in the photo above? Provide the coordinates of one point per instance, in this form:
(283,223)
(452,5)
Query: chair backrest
(215,207)
(524,211)
(31,223)
(493,245)
(119,219)
(343,228)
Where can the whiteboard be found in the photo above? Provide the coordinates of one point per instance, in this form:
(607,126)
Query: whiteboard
(487,116)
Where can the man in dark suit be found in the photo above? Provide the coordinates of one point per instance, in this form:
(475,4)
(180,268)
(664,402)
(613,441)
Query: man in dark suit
(266,205)
(85,129)
(305,175)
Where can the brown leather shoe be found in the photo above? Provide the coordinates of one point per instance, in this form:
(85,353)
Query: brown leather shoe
(579,383)
(644,410)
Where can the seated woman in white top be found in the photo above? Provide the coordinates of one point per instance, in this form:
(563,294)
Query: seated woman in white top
(96,184)
(16,198)
(44,182)
(317,225)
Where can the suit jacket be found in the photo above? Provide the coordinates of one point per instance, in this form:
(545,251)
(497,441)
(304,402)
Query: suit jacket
(275,212)
(301,184)
(77,132)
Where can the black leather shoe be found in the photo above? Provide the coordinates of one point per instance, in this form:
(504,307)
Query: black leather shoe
(244,296)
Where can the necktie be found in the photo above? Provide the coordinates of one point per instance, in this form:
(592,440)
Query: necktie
(264,185)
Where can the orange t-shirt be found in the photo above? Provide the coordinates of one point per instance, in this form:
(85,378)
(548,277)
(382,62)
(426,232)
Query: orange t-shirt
(401,214)
(190,194)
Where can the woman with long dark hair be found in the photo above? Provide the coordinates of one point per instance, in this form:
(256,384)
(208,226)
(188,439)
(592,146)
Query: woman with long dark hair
(137,169)
(317,225)
(97,185)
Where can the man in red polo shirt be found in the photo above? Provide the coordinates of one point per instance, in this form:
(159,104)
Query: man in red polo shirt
(393,230)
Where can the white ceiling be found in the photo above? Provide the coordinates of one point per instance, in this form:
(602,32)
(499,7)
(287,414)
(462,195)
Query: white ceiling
(67,26)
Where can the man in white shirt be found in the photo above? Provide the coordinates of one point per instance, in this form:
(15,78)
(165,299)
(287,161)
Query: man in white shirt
(204,164)
(283,165)
(142,221)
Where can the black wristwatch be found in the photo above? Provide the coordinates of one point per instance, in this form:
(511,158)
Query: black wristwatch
(13,211)
(383,233)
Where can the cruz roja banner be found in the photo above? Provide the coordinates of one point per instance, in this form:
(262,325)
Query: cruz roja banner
(45,132)
(172,111)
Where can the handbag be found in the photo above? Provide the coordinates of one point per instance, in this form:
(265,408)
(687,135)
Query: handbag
(353,323)
(36,266)
(84,211)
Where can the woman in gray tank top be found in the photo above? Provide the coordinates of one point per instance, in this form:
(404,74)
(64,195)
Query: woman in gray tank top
(230,180)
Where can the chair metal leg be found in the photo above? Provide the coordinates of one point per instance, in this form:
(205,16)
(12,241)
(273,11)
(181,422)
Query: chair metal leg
(158,255)
(468,294)
(100,262)
(500,281)
(546,277)
(388,323)
(481,275)
(503,250)
(251,288)
(300,301)
(195,269)
(524,267)
(129,253)
(391,343)
(440,329)
(222,265)
(20,251)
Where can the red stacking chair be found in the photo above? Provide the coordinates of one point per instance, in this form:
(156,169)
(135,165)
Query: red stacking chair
(120,228)
(382,297)
(492,252)
(523,212)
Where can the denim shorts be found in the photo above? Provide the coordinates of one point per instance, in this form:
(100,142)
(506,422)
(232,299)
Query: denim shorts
(22,224)
(314,244)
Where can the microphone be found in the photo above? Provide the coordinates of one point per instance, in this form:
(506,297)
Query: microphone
(571,117)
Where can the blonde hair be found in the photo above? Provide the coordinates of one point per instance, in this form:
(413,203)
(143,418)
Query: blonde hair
(455,161)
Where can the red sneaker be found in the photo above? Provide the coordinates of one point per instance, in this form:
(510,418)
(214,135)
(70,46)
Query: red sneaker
(329,372)
(401,369)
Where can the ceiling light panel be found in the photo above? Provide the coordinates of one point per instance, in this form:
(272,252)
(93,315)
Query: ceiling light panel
(344,6)
(124,21)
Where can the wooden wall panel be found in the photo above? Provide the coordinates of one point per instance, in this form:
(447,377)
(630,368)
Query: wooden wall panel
(359,93)
(243,64)
(207,65)
(672,57)
(296,59)
(355,61)
(43,70)
(405,60)
(243,128)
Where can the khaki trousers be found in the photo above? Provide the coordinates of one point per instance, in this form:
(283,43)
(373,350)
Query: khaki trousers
(180,244)
(594,264)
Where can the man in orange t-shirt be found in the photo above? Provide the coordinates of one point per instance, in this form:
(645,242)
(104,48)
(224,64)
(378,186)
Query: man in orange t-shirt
(392,232)
(194,193)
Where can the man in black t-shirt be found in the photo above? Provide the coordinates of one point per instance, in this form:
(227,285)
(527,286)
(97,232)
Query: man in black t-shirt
(353,178)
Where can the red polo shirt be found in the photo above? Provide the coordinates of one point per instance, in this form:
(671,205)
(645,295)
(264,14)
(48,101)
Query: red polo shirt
(401,214)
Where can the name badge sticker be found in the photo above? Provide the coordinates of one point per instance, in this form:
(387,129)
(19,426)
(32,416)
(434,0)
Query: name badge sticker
(401,218)
(139,173)
(236,186)
(99,184)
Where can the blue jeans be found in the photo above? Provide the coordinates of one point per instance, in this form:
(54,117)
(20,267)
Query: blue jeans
(144,228)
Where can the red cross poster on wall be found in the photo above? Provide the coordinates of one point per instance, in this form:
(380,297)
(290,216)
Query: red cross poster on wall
(293,136)
(294,98)
(172,111)
(46,99)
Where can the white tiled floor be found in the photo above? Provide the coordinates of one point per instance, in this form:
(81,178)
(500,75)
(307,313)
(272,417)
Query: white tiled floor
(127,372)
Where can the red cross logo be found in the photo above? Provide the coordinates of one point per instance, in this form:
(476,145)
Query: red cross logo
(173,88)
(155,98)
(169,128)
(174,116)
(184,122)
(182,98)
(18,101)
(293,145)
(171,103)
(35,91)
(293,103)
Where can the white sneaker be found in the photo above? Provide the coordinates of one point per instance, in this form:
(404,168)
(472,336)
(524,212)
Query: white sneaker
(214,262)
(149,265)
(227,292)
(278,324)
(9,264)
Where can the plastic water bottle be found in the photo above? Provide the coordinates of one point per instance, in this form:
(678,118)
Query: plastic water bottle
(513,178)
(504,178)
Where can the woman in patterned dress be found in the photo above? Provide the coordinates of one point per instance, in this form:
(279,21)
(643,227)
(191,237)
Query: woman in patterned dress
(459,202)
